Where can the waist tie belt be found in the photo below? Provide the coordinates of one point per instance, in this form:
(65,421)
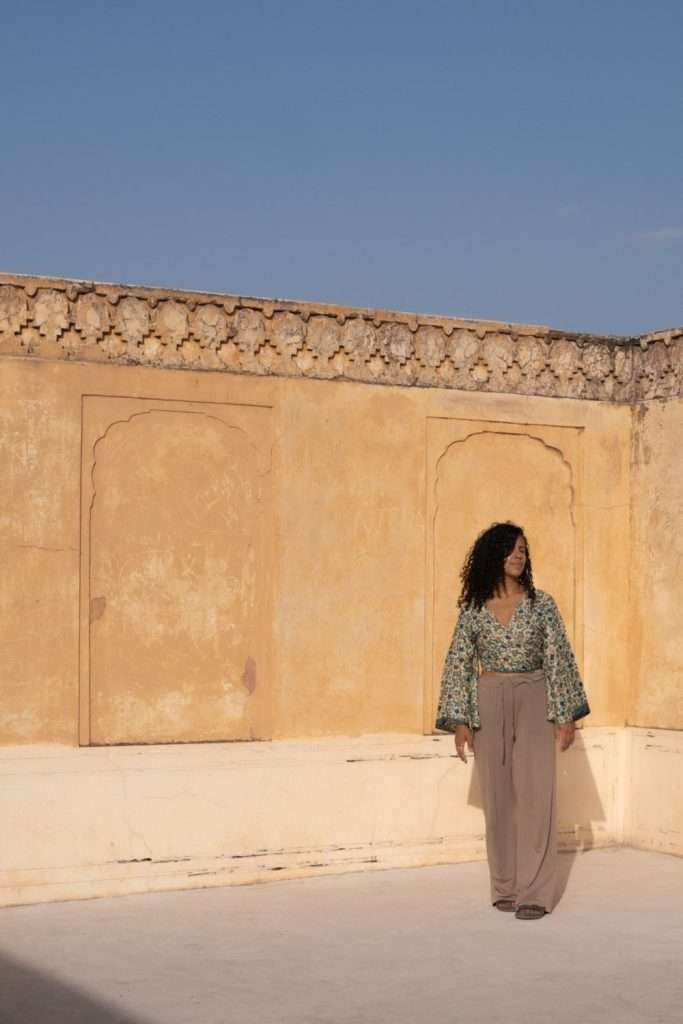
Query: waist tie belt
(506,699)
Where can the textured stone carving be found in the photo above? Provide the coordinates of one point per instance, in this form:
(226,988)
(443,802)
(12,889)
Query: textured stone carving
(250,332)
(677,358)
(395,342)
(132,320)
(77,320)
(113,346)
(359,338)
(209,326)
(171,322)
(13,310)
(463,348)
(596,362)
(657,378)
(324,336)
(288,332)
(565,360)
(498,352)
(430,346)
(623,364)
(50,312)
(91,316)
(531,357)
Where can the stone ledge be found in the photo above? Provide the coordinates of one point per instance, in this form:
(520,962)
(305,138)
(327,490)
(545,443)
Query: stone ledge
(55,318)
(84,822)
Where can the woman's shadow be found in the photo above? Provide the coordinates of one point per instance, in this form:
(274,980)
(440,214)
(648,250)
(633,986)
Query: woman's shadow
(580,810)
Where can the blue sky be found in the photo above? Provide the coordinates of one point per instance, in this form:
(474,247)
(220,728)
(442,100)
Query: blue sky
(514,161)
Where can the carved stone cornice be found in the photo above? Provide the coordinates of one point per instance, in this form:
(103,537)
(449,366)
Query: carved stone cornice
(61,319)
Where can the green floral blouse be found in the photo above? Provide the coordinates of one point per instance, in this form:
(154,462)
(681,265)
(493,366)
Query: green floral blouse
(534,638)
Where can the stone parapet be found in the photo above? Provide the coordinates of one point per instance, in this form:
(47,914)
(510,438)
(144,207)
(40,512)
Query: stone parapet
(54,318)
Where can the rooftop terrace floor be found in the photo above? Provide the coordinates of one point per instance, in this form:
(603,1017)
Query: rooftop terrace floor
(396,946)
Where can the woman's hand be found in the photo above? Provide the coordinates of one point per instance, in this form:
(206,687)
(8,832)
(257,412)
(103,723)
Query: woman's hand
(565,734)
(463,735)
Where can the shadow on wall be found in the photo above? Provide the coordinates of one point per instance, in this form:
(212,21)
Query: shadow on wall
(28,996)
(579,810)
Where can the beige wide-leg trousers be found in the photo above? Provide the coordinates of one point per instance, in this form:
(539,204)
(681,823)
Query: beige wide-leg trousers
(514,755)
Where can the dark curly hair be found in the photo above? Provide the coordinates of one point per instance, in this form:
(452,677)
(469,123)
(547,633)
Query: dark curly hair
(483,572)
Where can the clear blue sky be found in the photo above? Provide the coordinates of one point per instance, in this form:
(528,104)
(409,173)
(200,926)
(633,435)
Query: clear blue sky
(518,161)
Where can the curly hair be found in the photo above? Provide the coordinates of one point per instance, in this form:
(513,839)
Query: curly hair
(482,572)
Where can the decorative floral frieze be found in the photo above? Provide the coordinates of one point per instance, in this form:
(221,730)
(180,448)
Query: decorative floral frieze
(56,319)
(13,310)
(49,310)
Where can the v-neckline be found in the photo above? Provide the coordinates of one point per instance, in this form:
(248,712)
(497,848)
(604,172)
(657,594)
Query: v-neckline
(509,622)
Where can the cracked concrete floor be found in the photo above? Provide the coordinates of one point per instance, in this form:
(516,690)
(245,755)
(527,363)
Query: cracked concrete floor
(392,946)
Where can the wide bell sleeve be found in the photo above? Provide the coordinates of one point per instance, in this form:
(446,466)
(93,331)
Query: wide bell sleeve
(459,676)
(566,696)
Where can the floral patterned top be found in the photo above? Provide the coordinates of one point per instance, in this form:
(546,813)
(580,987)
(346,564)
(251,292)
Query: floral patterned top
(534,638)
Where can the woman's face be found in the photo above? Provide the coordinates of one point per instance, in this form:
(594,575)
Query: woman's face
(516,561)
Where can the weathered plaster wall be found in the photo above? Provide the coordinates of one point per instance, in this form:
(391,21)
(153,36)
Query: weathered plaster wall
(656,555)
(113,608)
(39,539)
(242,520)
(653,801)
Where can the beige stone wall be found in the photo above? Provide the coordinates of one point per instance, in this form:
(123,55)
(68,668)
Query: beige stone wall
(199,556)
(39,538)
(108,821)
(238,520)
(656,558)
(279,539)
(653,801)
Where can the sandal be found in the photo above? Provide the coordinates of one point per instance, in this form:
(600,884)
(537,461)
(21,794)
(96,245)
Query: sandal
(507,905)
(530,912)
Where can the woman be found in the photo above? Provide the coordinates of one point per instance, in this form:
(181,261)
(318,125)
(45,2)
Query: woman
(527,695)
